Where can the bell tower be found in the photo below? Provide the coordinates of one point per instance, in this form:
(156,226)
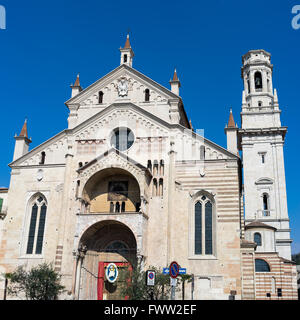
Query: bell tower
(127,53)
(261,139)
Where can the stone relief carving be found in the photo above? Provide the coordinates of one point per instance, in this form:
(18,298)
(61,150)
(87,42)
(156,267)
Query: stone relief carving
(40,175)
(123,87)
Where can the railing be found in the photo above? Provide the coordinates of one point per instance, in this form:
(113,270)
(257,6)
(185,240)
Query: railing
(263,213)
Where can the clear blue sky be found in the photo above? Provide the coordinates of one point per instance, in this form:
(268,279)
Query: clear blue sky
(47,43)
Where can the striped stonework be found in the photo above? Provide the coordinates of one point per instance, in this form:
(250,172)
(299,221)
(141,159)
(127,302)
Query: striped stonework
(58,258)
(248,270)
(284,276)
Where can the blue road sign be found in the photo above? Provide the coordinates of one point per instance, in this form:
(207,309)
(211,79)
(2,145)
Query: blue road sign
(165,270)
(182,271)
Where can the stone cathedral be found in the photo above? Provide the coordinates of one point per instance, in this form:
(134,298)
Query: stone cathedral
(131,181)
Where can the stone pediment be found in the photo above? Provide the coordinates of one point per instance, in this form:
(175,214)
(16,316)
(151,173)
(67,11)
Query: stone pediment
(123,83)
(116,115)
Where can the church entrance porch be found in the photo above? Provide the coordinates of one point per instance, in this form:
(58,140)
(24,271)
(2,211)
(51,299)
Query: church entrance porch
(105,242)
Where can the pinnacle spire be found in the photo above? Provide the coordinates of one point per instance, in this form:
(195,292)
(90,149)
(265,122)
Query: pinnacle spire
(175,76)
(231,123)
(77,82)
(127,43)
(24,130)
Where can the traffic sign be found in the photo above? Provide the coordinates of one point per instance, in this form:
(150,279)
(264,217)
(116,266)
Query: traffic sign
(166,270)
(181,270)
(150,278)
(174,270)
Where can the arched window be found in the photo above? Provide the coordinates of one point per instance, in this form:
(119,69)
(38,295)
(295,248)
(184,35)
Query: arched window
(257,238)
(154,193)
(125,58)
(261,266)
(155,168)
(1,203)
(37,226)
(162,167)
(203,217)
(266,211)
(208,228)
(202,153)
(43,157)
(198,228)
(273,284)
(117,247)
(111,207)
(100,98)
(79,164)
(147,95)
(258,80)
(161,187)
(123,207)
(118,207)
(149,166)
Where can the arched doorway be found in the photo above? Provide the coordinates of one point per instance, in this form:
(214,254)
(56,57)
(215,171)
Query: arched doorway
(106,242)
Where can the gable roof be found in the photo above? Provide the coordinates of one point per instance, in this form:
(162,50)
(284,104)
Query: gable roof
(129,69)
(126,105)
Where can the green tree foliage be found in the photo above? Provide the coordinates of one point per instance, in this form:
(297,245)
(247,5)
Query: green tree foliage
(39,283)
(135,287)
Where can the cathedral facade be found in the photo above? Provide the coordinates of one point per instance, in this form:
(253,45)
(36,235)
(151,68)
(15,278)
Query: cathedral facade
(130,181)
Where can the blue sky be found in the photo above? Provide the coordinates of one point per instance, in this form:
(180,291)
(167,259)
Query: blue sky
(47,43)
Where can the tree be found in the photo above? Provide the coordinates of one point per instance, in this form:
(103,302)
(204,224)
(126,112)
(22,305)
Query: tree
(184,278)
(135,287)
(39,283)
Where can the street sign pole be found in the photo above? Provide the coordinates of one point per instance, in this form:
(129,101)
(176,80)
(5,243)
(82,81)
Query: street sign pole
(173,271)
(173,293)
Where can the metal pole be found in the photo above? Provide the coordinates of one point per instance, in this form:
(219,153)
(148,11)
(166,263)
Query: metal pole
(193,284)
(173,292)
(5,288)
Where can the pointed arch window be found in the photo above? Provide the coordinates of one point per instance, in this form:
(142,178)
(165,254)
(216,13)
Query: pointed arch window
(203,227)
(37,226)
